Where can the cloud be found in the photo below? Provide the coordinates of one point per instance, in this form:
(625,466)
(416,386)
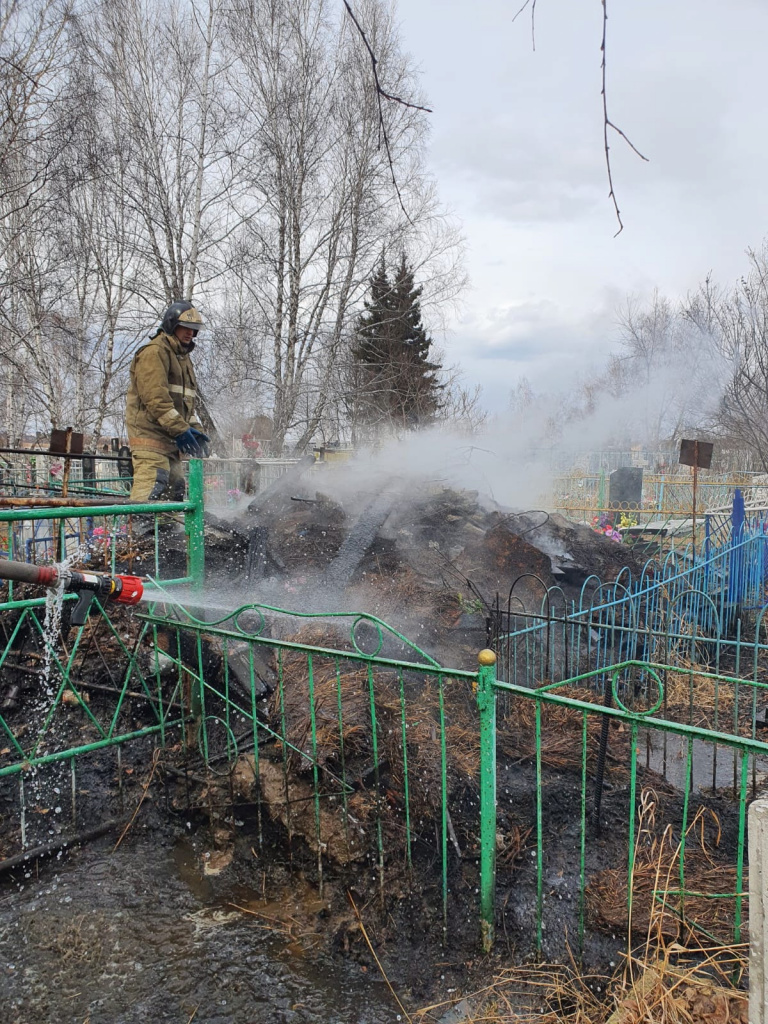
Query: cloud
(516,171)
(518,151)
(537,339)
(527,331)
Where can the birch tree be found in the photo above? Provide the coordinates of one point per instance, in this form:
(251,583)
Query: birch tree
(322,178)
(230,154)
(165,72)
(736,321)
(34,131)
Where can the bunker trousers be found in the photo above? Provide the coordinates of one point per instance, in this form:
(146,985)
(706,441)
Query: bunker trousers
(156,477)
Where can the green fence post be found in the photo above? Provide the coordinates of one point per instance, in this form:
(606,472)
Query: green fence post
(486,703)
(195,525)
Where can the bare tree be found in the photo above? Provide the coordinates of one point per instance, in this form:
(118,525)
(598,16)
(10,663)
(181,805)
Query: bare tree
(663,372)
(32,132)
(737,321)
(324,179)
(62,320)
(230,153)
(461,407)
(165,73)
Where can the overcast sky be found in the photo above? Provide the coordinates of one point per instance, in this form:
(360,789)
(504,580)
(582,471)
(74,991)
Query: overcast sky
(518,155)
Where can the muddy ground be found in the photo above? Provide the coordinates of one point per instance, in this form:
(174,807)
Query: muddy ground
(138,935)
(148,932)
(206,908)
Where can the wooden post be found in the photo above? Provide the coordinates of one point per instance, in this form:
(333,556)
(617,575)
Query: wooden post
(67,464)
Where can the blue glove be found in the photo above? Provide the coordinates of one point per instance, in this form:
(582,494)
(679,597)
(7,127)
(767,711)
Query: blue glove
(203,442)
(188,443)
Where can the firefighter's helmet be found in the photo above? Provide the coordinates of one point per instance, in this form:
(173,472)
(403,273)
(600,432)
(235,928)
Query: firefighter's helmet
(181,314)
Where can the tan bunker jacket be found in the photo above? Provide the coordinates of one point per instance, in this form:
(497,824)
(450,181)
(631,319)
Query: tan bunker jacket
(161,397)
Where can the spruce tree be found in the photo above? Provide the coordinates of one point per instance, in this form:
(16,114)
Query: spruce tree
(400,384)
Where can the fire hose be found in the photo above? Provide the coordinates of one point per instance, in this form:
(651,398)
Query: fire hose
(87,585)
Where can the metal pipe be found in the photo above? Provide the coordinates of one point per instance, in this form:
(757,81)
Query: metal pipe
(195,524)
(63,455)
(32,501)
(602,754)
(13,515)
(56,489)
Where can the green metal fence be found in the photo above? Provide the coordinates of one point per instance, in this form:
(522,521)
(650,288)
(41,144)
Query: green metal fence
(579,800)
(344,726)
(115,538)
(38,474)
(228,481)
(681,839)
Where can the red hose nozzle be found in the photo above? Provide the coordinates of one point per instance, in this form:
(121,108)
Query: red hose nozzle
(128,589)
(122,589)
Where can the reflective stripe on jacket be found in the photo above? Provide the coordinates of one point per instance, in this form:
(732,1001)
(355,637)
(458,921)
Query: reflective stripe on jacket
(160,403)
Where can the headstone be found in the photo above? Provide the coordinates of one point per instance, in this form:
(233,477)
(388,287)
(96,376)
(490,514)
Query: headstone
(124,463)
(89,469)
(626,488)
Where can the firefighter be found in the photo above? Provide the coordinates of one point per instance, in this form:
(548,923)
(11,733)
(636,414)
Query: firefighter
(160,407)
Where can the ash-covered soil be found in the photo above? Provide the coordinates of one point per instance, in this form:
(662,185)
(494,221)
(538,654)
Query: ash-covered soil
(143,933)
(432,562)
(208,907)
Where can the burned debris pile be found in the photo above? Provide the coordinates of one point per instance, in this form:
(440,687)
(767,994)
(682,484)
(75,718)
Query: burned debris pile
(428,561)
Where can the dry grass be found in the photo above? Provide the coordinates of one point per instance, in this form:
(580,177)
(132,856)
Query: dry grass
(348,738)
(544,994)
(561,733)
(664,981)
(462,738)
(71,940)
(703,701)
(659,990)
(656,899)
(354,733)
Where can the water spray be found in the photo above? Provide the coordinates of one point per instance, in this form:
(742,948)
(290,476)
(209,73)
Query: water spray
(87,585)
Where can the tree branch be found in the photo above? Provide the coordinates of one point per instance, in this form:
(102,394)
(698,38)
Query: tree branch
(374,65)
(607,123)
(382,93)
(532,4)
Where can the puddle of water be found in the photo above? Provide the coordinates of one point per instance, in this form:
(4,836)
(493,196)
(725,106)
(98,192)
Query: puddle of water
(138,936)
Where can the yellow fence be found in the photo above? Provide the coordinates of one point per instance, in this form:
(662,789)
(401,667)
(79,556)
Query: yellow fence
(582,496)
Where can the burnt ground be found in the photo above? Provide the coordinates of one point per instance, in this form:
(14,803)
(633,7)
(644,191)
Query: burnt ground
(440,534)
(430,567)
(432,563)
(143,933)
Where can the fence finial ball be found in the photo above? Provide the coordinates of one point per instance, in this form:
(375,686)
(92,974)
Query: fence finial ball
(487,657)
